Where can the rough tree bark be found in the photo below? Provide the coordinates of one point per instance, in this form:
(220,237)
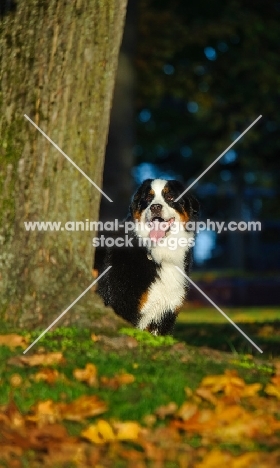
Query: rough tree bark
(58,63)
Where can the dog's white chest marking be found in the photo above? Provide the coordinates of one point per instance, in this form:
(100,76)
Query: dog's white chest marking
(166,293)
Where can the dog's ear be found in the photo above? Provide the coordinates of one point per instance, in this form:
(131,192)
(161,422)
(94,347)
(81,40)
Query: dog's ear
(191,205)
(135,204)
(194,207)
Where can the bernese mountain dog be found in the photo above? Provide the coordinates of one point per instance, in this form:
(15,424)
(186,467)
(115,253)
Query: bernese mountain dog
(143,284)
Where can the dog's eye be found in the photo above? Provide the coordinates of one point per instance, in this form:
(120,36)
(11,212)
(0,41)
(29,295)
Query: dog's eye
(169,197)
(149,197)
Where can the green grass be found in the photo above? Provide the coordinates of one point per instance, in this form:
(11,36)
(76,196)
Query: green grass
(146,338)
(162,368)
(240,315)
(207,327)
(152,362)
(161,373)
(152,386)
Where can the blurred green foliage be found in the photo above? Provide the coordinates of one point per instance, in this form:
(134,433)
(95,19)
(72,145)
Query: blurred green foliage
(206,70)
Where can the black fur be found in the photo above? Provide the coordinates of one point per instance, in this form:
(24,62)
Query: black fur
(132,271)
(130,275)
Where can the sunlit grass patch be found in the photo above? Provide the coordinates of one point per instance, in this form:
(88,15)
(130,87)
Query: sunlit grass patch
(239,315)
(145,337)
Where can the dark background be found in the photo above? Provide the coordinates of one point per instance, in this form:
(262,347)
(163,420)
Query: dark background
(192,77)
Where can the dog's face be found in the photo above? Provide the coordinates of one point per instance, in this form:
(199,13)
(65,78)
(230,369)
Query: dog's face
(155,208)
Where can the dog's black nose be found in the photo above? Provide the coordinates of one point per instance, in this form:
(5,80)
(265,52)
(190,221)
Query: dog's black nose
(156,208)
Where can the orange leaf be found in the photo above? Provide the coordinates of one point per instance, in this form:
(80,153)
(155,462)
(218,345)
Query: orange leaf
(45,412)
(276,380)
(94,337)
(230,384)
(13,340)
(277,368)
(47,375)
(118,380)
(41,359)
(251,390)
(125,379)
(88,375)
(12,416)
(83,407)
(206,394)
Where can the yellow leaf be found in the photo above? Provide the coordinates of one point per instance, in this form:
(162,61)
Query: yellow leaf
(91,433)
(95,337)
(215,382)
(16,380)
(99,433)
(251,390)
(187,411)
(246,460)
(272,390)
(105,430)
(128,430)
(215,459)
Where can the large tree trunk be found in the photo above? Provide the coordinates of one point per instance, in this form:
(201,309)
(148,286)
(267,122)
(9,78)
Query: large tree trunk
(58,64)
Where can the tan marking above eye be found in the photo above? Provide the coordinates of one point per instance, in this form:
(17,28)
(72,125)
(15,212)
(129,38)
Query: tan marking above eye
(150,195)
(166,193)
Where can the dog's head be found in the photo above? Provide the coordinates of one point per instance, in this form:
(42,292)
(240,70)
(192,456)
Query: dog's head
(155,208)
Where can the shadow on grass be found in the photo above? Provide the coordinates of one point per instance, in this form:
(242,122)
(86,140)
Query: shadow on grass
(225,337)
